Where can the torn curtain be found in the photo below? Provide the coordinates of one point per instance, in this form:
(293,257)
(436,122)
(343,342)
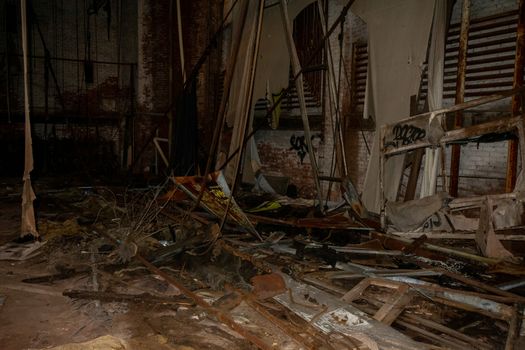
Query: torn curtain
(398,33)
(273,68)
(436,61)
(28,196)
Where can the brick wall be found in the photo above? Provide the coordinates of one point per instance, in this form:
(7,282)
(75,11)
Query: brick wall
(278,159)
(358,145)
(153,56)
(200,20)
(139,35)
(82,115)
(64,27)
(482,168)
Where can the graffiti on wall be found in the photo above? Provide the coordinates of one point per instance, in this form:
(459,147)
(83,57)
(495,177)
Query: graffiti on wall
(406,134)
(298,144)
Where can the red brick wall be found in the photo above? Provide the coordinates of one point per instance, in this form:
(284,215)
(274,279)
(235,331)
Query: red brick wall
(279,160)
(200,19)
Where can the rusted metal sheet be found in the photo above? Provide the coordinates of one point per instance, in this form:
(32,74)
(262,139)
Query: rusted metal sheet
(215,196)
(336,222)
(268,286)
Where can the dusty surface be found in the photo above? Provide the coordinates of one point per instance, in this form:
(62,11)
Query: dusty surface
(90,237)
(37,316)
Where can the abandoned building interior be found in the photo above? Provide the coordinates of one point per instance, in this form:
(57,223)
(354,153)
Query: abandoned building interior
(262,174)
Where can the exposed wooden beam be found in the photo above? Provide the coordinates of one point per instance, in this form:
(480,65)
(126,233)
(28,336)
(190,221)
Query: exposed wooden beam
(460,94)
(512,155)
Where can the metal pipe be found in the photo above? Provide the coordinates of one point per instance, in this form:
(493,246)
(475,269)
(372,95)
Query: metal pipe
(512,284)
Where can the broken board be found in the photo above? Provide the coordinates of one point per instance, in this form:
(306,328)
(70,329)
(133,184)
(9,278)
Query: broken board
(215,198)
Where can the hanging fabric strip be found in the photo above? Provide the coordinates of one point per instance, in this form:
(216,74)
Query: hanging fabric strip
(28,196)
(398,36)
(436,58)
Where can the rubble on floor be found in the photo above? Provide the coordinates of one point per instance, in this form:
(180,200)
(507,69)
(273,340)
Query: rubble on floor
(145,268)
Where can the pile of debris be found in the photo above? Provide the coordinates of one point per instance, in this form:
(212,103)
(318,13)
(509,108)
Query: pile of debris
(276,275)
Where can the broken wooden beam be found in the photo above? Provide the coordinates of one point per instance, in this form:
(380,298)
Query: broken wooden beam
(119,297)
(219,314)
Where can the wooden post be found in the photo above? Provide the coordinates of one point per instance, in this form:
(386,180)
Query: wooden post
(512,155)
(460,94)
(382,160)
(181,43)
(417,156)
(299,86)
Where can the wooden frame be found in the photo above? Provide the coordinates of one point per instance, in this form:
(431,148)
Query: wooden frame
(389,149)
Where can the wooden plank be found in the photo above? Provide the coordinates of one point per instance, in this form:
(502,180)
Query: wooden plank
(485,44)
(460,95)
(417,320)
(497,126)
(461,236)
(356,292)
(417,156)
(439,339)
(119,297)
(395,305)
(414,319)
(487,60)
(490,68)
(512,154)
(514,328)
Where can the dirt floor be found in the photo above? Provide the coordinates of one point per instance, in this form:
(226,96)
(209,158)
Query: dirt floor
(38,316)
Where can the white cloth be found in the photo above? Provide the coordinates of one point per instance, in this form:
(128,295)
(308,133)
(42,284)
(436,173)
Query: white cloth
(273,67)
(398,32)
(436,59)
